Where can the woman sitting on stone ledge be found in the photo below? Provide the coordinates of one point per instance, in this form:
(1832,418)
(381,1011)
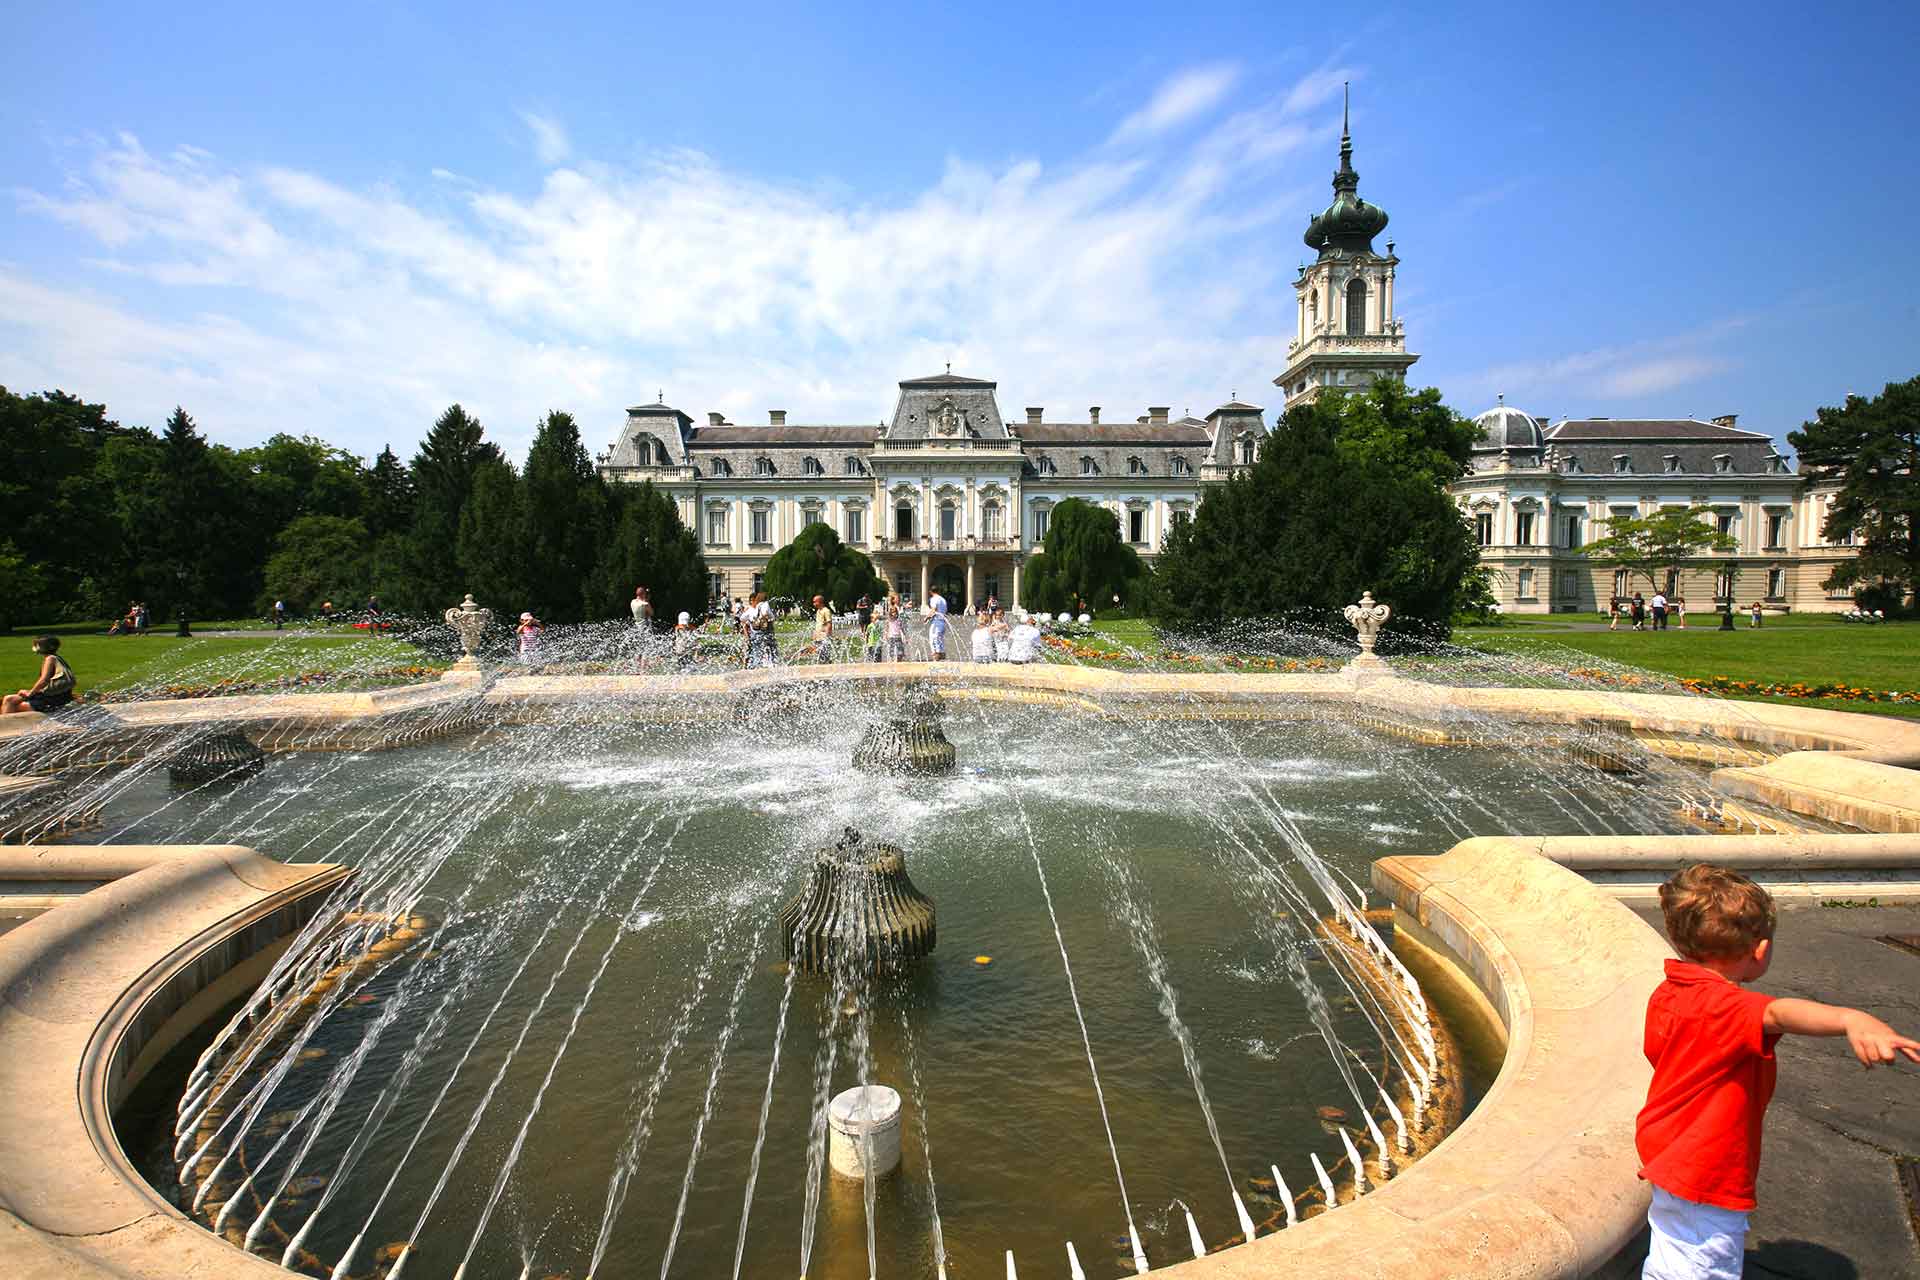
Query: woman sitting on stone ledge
(52,691)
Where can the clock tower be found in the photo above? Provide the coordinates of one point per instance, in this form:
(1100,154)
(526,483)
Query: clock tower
(1346,332)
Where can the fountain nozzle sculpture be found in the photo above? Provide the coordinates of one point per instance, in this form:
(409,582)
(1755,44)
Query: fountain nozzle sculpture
(860,913)
(1367,618)
(908,740)
(469,621)
(227,756)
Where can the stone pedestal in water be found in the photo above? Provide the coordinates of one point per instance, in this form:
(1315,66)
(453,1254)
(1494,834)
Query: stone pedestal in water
(908,740)
(864,1124)
(860,914)
(218,757)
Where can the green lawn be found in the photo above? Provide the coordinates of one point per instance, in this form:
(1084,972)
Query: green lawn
(104,663)
(1803,648)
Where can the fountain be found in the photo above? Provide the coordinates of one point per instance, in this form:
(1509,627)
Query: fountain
(227,756)
(908,740)
(469,622)
(860,913)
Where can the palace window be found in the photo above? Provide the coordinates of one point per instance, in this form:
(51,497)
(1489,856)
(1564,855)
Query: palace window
(1723,522)
(1621,582)
(812,467)
(811,516)
(1776,530)
(716,586)
(903,585)
(1722,463)
(759,583)
(1777,465)
(1483,528)
(1523,528)
(1135,467)
(1524,584)
(1040,523)
(856,525)
(1088,467)
(949,522)
(1044,465)
(1671,462)
(1247,448)
(720,467)
(990,521)
(1570,584)
(903,522)
(1180,516)
(1181,467)
(1573,465)
(1622,464)
(1576,534)
(761,525)
(1357,307)
(716,526)
(763,466)
(852,466)
(1776,584)
(1723,585)
(1673,583)
(1136,525)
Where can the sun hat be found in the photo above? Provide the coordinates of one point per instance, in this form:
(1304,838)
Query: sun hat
(685,616)
(526,617)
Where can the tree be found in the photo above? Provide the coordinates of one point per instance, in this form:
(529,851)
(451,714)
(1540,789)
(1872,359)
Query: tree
(491,546)
(443,479)
(1649,546)
(563,511)
(1347,495)
(817,563)
(1872,447)
(1082,558)
(646,545)
(316,559)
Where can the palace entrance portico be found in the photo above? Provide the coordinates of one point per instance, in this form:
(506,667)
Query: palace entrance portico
(964,575)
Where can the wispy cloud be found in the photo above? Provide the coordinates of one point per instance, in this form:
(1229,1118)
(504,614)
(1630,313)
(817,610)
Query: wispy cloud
(282,299)
(1191,93)
(550,142)
(1594,375)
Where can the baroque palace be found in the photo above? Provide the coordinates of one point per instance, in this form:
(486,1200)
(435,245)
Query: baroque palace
(948,494)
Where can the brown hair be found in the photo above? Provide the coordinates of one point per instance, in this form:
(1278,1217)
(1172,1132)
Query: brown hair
(1715,913)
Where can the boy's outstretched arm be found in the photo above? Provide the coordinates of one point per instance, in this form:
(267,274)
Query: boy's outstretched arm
(1873,1041)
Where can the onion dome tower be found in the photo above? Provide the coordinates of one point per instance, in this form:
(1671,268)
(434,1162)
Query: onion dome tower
(1347,333)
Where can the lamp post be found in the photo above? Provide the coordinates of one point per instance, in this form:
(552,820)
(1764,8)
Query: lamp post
(182,631)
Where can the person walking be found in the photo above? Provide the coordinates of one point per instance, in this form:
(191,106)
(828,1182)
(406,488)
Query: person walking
(279,614)
(1638,612)
(1658,608)
(1754,615)
(761,650)
(937,632)
(686,642)
(1613,613)
(822,630)
(52,691)
(863,611)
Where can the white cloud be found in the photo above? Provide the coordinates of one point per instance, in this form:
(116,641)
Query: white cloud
(550,142)
(282,299)
(1594,375)
(1191,93)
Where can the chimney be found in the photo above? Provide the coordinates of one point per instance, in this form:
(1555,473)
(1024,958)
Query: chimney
(1093,415)
(1726,420)
(1034,413)
(1157,414)
(716,419)
(778,417)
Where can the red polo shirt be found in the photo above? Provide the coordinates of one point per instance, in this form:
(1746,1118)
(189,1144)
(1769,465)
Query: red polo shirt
(1713,1070)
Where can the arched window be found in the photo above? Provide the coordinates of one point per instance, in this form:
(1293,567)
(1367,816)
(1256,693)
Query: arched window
(852,466)
(720,467)
(1246,450)
(990,521)
(812,467)
(1045,466)
(1135,467)
(1181,467)
(1088,467)
(1357,307)
(763,466)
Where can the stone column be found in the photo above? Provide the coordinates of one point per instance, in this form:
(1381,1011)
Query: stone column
(971,597)
(924,560)
(1016,583)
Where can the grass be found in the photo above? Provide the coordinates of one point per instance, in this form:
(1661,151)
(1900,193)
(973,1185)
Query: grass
(1806,649)
(104,663)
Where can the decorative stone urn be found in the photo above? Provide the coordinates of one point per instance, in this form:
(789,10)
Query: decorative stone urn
(469,621)
(908,740)
(860,915)
(1366,618)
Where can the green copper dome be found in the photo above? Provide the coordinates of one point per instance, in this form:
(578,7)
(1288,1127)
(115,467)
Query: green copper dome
(1349,224)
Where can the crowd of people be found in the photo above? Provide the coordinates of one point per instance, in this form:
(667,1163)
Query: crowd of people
(886,630)
(1660,612)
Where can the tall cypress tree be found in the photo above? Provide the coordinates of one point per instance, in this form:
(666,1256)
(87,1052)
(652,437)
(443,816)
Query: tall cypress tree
(563,512)
(442,474)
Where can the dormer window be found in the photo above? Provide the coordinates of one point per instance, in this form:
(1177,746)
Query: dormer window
(1181,467)
(853,467)
(1135,467)
(720,467)
(1722,463)
(1622,464)
(1671,463)
(1088,467)
(811,466)
(1044,465)
(763,466)
(1246,451)
(1777,465)
(1573,465)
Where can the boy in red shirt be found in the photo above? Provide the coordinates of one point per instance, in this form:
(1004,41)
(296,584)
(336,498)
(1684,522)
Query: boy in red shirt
(1711,1046)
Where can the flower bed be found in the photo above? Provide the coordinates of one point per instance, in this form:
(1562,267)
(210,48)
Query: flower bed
(1797,689)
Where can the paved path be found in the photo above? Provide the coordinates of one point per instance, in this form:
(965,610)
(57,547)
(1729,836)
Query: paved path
(1831,1203)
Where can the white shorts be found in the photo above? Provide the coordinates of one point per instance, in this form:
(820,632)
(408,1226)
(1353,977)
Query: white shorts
(1694,1241)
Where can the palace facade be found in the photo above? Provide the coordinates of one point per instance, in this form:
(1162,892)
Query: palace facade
(949,494)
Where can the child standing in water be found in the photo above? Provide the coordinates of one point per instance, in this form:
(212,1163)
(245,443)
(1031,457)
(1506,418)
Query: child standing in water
(529,633)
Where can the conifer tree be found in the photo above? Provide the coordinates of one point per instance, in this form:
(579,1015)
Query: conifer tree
(1872,447)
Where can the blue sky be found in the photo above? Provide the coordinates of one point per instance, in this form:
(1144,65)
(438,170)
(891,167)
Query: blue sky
(338,221)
